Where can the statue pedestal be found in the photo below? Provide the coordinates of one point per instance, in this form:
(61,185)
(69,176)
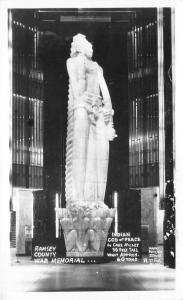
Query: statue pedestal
(85,226)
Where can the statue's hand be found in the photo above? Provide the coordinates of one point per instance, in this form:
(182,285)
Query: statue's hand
(111,133)
(85,101)
(88,100)
(108,119)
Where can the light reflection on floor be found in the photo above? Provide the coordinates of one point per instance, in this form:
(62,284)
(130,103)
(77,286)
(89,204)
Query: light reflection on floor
(93,277)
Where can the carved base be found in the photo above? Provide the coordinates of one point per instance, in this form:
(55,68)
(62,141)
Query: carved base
(85,226)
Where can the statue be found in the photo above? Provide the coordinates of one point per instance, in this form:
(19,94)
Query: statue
(86,219)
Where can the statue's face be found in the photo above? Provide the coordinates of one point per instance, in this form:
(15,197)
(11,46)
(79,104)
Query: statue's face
(89,50)
(86,48)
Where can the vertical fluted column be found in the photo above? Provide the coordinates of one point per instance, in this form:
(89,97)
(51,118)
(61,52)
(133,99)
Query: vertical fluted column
(69,149)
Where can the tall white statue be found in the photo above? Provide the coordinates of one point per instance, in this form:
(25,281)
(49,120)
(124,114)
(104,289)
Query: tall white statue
(86,219)
(89,125)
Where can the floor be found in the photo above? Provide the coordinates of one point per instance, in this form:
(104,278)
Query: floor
(25,275)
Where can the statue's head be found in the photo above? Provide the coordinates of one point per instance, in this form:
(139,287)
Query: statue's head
(81,45)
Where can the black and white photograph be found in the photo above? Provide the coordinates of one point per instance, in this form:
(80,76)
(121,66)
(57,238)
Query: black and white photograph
(92,156)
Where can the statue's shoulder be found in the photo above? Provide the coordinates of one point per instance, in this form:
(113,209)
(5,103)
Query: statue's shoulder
(72,61)
(69,61)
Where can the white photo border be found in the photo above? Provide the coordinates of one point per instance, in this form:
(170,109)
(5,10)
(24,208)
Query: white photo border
(5,128)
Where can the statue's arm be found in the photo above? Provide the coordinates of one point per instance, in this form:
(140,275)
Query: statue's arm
(76,72)
(108,111)
(104,90)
